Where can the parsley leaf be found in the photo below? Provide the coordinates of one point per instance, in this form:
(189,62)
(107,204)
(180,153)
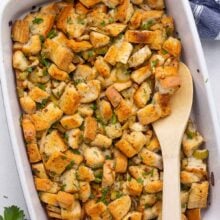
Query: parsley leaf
(12,213)
(52,34)
(37,21)
(147,25)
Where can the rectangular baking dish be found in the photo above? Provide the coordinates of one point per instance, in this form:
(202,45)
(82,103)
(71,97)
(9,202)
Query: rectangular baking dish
(203,108)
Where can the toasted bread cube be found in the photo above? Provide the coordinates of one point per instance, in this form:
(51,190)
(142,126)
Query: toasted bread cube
(115,29)
(57,74)
(33,46)
(124,52)
(49,198)
(27,104)
(33,153)
(70,100)
(189,177)
(122,85)
(74,212)
(94,209)
(90,128)
(102,67)
(71,121)
(81,9)
(134,187)
(46,185)
(154,144)
(140,37)
(196,166)
(120,207)
(101,141)
(156,4)
(69,181)
(139,57)
(57,163)
(28,130)
(111,55)
(90,91)
(114,96)
(121,162)
(68,22)
(108,177)
(198,195)
(79,46)
(85,191)
(141,74)
(152,15)
(65,199)
(136,19)
(74,156)
(105,110)
(85,174)
(148,114)
(173,46)
(113,130)
(151,159)
(41,24)
(20,62)
(20,31)
(90,3)
(85,110)
(51,8)
(44,119)
(142,95)
(158,40)
(94,157)
(38,95)
(124,11)
(74,138)
(59,54)
(154,186)
(39,170)
(84,73)
(193,214)
(54,215)
(148,199)
(123,111)
(53,143)
(98,39)
(137,139)
(133,216)
(126,148)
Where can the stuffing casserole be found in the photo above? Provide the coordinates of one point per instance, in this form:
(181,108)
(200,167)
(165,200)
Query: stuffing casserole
(91,78)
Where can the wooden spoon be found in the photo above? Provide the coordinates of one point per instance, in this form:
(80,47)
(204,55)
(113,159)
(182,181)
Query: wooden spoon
(170,131)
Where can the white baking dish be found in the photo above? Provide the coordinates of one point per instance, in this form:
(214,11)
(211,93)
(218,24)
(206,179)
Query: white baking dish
(203,108)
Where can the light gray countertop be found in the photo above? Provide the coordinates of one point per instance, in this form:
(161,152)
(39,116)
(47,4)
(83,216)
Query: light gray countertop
(10,188)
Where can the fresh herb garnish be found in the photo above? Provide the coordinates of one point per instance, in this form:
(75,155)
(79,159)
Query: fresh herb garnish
(93,106)
(140,180)
(103,23)
(37,20)
(44,61)
(164,52)
(52,34)
(104,195)
(70,166)
(12,213)
(147,25)
(29,69)
(190,134)
(69,20)
(63,187)
(41,86)
(75,151)
(42,39)
(42,104)
(114,119)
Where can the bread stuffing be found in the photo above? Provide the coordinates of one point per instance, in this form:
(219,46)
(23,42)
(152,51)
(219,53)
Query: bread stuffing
(92,75)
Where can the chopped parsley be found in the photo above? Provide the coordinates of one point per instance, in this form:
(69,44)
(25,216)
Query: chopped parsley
(114,119)
(190,134)
(103,23)
(70,165)
(44,61)
(93,106)
(42,104)
(41,38)
(75,151)
(12,213)
(52,34)
(37,20)
(41,86)
(140,180)
(80,20)
(29,69)
(78,81)
(63,187)
(164,52)
(104,195)
(97,180)
(154,63)
(147,25)
(66,137)
(69,20)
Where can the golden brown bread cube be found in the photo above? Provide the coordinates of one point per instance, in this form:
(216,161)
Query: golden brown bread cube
(65,199)
(105,110)
(111,55)
(33,153)
(143,37)
(41,23)
(33,46)
(115,29)
(70,100)
(46,185)
(84,191)
(114,96)
(43,119)
(102,141)
(28,105)
(49,198)
(148,114)
(193,214)
(121,162)
(90,128)
(173,46)
(94,157)
(57,74)
(20,31)
(81,9)
(90,3)
(136,19)
(123,111)
(133,216)
(154,186)
(139,75)
(156,4)
(134,187)
(98,39)
(39,170)
(85,173)
(19,60)
(74,212)
(71,121)
(57,163)
(126,148)
(142,95)
(38,95)
(53,143)
(120,207)
(108,177)
(29,130)
(59,54)
(78,46)
(102,67)
(94,209)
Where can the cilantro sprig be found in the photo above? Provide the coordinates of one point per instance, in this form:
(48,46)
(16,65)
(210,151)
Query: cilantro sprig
(12,213)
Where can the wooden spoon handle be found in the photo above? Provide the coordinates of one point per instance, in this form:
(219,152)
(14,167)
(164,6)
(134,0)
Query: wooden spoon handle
(171,189)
